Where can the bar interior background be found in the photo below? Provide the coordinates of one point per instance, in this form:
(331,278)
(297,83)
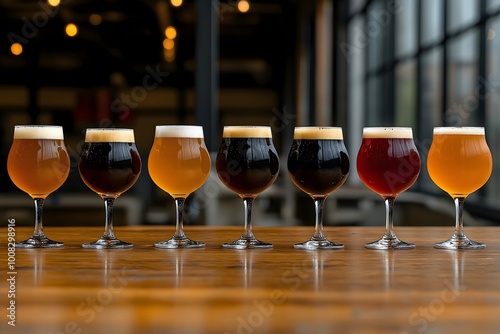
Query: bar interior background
(281,63)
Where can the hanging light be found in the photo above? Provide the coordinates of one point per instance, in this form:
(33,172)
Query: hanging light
(170,32)
(176,3)
(168,44)
(54,3)
(16,49)
(243,6)
(71,30)
(95,19)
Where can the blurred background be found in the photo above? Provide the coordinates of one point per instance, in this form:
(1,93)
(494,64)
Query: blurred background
(280,63)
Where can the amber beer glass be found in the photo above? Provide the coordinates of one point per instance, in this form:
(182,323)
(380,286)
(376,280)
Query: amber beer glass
(318,164)
(247,163)
(38,164)
(459,162)
(179,163)
(109,165)
(388,163)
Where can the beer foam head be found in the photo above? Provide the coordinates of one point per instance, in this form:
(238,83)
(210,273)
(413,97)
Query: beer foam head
(38,132)
(179,131)
(314,132)
(247,132)
(459,130)
(376,132)
(109,135)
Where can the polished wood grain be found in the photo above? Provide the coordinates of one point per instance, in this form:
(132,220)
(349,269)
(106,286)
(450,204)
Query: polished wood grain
(279,290)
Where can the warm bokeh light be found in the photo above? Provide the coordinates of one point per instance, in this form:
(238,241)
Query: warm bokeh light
(71,30)
(168,44)
(170,32)
(243,6)
(169,55)
(54,3)
(16,49)
(176,3)
(95,19)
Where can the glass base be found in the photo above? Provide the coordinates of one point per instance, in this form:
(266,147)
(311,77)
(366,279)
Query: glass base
(38,242)
(389,243)
(108,243)
(459,242)
(179,243)
(245,243)
(316,243)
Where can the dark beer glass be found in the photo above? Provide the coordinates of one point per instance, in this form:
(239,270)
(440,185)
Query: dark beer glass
(109,165)
(318,164)
(247,163)
(388,163)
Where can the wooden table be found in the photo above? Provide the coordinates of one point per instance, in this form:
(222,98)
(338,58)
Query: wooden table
(279,290)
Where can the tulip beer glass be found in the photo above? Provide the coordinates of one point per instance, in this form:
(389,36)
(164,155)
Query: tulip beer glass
(179,163)
(247,163)
(109,165)
(459,162)
(38,164)
(318,164)
(388,163)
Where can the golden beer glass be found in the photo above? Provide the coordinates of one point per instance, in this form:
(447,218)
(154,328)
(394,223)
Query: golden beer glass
(179,163)
(459,162)
(38,164)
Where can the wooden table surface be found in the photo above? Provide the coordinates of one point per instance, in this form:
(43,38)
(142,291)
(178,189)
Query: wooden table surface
(279,290)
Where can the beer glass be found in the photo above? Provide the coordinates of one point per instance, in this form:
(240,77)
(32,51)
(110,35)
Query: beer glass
(388,163)
(109,165)
(247,163)
(38,164)
(318,164)
(179,163)
(459,162)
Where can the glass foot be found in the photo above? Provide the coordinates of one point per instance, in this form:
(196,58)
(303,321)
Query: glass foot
(389,243)
(459,242)
(108,243)
(245,243)
(179,243)
(316,243)
(38,242)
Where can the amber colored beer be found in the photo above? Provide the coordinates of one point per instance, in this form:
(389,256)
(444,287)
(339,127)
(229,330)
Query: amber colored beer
(388,161)
(179,162)
(318,162)
(38,162)
(459,160)
(247,162)
(109,162)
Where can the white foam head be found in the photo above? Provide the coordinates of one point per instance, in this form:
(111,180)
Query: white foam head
(315,132)
(109,135)
(389,132)
(38,132)
(179,131)
(459,131)
(247,132)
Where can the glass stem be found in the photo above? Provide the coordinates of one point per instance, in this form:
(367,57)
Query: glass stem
(248,234)
(459,218)
(318,230)
(38,232)
(389,226)
(179,219)
(108,227)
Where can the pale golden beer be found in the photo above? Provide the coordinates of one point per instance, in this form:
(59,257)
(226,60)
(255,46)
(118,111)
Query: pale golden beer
(459,160)
(179,162)
(38,162)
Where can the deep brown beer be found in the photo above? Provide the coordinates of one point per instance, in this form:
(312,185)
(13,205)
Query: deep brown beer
(109,162)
